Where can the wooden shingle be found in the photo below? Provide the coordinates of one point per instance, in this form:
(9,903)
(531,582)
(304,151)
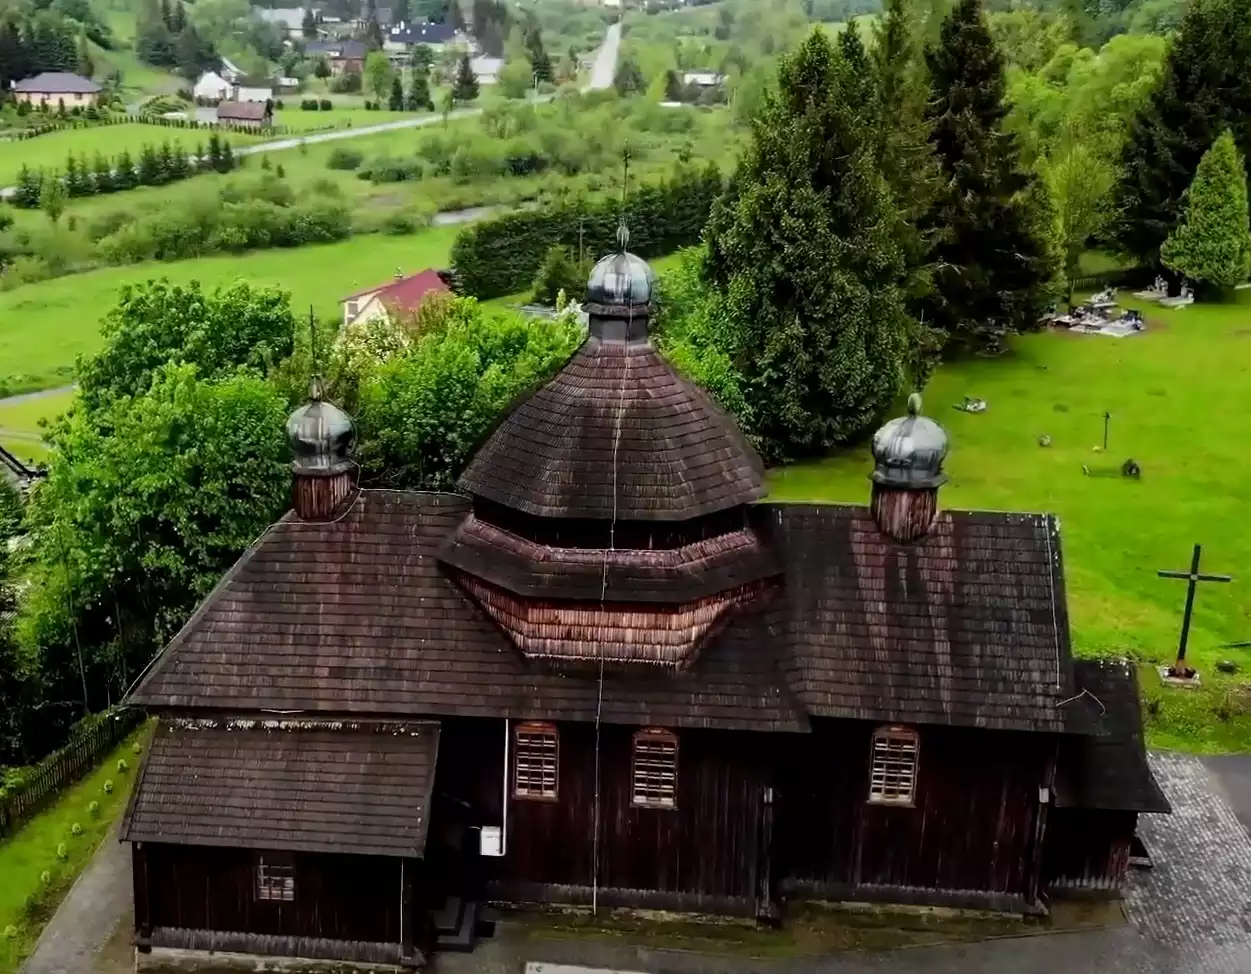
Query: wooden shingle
(616,434)
(268,785)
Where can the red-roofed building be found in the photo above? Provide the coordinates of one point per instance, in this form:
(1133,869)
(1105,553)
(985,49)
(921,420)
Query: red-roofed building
(402,295)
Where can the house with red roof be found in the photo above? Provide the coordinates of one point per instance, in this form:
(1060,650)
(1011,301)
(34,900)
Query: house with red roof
(400,296)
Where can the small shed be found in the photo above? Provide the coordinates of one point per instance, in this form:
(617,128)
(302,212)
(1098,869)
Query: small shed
(246,114)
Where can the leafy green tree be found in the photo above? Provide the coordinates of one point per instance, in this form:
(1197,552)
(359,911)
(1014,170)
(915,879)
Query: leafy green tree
(321,68)
(465,85)
(156,323)
(146,503)
(418,99)
(52,198)
(515,78)
(561,271)
(422,58)
(1080,181)
(1212,243)
(308,27)
(802,250)
(378,74)
(424,411)
(1205,89)
(993,273)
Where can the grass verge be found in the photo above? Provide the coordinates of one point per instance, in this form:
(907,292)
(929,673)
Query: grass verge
(33,878)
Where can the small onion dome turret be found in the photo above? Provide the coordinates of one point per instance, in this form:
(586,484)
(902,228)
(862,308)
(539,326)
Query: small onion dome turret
(621,280)
(908,452)
(321,435)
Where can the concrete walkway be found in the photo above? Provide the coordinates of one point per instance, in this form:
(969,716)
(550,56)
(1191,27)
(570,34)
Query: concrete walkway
(88,917)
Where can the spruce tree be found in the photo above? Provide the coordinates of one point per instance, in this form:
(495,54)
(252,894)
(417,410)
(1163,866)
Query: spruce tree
(214,158)
(149,171)
(992,273)
(465,87)
(396,100)
(102,174)
(418,99)
(801,251)
(124,175)
(1212,243)
(178,165)
(29,188)
(905,155)
(227,162)
(165,164)
(1205,89)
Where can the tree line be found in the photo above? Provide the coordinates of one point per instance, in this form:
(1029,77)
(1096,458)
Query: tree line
(32,43)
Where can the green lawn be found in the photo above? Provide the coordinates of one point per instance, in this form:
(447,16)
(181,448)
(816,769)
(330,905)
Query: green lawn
(20,432)
(50,151)
(45,326)
(26,901)
(297,120)
(1179,401)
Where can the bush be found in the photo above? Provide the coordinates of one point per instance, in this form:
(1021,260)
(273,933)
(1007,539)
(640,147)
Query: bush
(561,271)
(344,158)
(502,255)
(108,786)
(408,220)
(347,83)
(386,170)
(45,878)
(10,932)
(137,747)
(94,809)
(76,829)
(122,766)
(309,105)
(325,105)
(62,851)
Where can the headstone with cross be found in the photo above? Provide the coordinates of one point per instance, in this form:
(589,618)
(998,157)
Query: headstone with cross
(1179,670)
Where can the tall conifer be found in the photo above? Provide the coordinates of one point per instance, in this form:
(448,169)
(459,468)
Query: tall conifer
(1205,88)
(801,249)
(993,270)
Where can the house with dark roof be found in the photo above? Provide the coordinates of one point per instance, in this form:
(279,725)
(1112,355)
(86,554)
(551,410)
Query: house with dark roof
(56,88)
(246,114)
(404,37)
(342,54)
(395,299)
(607,671)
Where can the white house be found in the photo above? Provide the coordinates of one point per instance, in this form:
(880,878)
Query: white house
(253,94)
(703,79)
(211,86)
(487,69)
(288,19)
(230,71)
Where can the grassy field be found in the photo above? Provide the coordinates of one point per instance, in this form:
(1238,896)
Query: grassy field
(297,120)
(44,327)
(20,432)
(1178,399)
(50,151)
(26,901)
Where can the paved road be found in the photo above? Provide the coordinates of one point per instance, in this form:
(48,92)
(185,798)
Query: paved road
(604,70)
(39,394)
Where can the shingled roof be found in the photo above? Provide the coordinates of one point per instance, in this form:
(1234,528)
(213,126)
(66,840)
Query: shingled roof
(1109,771)
(307,787)
(357,617)
(965,627)
(617,434)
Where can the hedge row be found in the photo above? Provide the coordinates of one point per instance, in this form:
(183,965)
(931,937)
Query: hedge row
(501,256)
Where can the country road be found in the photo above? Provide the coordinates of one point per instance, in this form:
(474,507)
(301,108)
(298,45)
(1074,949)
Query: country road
(603,71)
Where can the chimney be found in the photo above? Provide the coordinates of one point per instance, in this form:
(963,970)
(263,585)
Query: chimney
(324,477)
(908,455)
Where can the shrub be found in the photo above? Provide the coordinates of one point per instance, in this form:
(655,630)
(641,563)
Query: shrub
(308,105)
(45,878)
(62,851)
(94,809)
(408,220)
(325,105)
(561,271)
(137,747)
(387,170)
(502,255)
(76,830)
(108,786)
(10,932)
(344,158)
(122,766)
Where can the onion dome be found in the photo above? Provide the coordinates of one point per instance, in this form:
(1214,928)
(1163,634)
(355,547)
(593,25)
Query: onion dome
(321,435)
(908,452)
(619,294)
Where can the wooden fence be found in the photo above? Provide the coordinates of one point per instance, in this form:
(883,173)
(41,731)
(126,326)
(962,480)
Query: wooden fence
(86,745)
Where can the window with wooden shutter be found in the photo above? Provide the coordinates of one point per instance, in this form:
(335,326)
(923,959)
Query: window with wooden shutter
(275,879)
(893,768)
(654,775)
(536,761)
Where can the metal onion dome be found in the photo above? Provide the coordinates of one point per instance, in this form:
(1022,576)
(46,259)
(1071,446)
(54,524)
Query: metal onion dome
(321,434)
(908,452)
(621,279)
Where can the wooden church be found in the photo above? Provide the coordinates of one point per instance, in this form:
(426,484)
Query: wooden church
(608,672)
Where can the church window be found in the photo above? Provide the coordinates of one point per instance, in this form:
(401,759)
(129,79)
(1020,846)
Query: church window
(275,879)
(654,777)
(893,772)
(536,761)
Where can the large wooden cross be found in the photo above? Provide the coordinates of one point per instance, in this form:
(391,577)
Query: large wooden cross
(1193,577)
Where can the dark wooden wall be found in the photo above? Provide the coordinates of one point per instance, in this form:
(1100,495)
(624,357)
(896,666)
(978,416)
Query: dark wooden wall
(337,897)
(703,854)
(972,830)
(1087,851)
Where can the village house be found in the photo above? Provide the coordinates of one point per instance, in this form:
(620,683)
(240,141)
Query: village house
(606,671)
(486,69)
(290,20)
(341,54)
(257,91)
(57,88)
(246,114)
(400,296)
(402,38)
(211,87)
